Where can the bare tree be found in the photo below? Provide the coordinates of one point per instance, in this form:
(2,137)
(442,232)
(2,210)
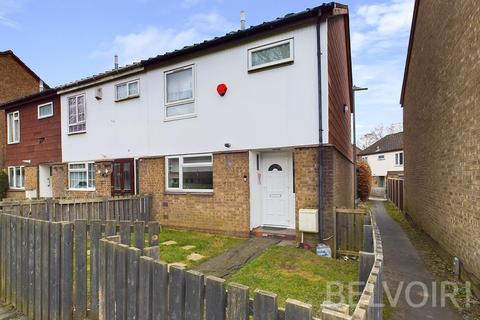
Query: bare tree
(378,133)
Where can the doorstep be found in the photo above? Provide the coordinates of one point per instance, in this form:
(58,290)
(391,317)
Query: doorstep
(272,232)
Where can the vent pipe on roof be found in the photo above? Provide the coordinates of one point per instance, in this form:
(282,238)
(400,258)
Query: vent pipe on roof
(242,20)
(40,86)
(116,61)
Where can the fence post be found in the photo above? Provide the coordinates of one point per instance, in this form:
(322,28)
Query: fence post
(132,282)
(159,290)
(296,310)
(238,302)
(67,268)
(366,261)
(121,252)
(139,230)
(55,229)
(265,305)
(80,269)
(194,295)
(153,233)
(144,289)
(125,232)
(176,300)
(95,235)
(215,298)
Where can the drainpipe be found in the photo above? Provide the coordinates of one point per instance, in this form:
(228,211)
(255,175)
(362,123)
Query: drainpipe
(320,137)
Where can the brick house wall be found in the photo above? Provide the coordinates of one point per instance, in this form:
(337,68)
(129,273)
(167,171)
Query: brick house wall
(60,182)
(337,184)
(225,210)
(442,127)
(15,81)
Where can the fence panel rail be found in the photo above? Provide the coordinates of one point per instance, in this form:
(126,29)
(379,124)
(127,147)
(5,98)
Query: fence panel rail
(131,208)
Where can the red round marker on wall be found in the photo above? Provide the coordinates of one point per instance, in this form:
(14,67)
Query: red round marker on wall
(222,89)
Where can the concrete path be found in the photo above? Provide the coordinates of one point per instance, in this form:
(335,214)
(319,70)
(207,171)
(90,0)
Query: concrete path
(403,265)
(235,258)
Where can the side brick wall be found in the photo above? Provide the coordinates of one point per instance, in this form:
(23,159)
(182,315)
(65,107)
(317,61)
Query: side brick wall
(442,127)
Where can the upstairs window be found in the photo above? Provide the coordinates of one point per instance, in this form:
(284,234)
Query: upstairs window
(76,114)
(399,159)
(381,157)
(179,93)
(13,127)
(127,90)
(190,173)
(270,54)
(45,110)
(81,176)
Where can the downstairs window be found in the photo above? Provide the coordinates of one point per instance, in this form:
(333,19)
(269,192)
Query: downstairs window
(81,176)
(189,173)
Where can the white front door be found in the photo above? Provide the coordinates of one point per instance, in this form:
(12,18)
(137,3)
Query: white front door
(45,180)
(276,189)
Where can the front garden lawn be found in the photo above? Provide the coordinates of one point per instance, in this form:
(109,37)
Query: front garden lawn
(297,274)
(207,245)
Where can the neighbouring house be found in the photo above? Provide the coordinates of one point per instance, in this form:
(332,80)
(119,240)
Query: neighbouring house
(33,143)
(384,156)
(16,80)
(440,100)
(227,135)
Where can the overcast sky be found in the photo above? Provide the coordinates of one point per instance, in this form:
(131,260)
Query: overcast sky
(64,41)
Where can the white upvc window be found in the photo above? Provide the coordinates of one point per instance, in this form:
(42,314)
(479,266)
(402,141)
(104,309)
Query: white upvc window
(16,177)
(271,54)
(127,90)
(45,110)
(399,159)
(381,157)
(77,114)
(13,127)
(180,93)
(81,176)
(192,173)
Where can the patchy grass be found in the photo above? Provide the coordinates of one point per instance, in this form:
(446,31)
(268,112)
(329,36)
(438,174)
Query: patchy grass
(436,260)
(208,245)
(297,274)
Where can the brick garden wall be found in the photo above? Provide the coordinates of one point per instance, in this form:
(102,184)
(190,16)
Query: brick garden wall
(442,127)
(226,210)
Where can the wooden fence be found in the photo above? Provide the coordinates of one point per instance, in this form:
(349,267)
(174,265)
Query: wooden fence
(50,270)
(348,231)
(395,192)
(132,208)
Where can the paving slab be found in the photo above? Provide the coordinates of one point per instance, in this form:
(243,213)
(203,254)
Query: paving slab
(195,257)
(235,258)
(404,266)
(168,243)
(189,247)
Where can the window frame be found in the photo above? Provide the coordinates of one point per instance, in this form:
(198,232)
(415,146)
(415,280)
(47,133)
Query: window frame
(397,159)
(181,165)
(127,83)
(87,163)
(22,177)
(68,114)
(272,63)
(9,137)
(382,157)
(44,105)
(180,102)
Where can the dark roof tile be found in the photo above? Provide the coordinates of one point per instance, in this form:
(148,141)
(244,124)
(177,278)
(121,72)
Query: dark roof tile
(391,142)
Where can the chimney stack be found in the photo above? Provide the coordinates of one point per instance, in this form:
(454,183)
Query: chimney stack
(116,61)
(242,20)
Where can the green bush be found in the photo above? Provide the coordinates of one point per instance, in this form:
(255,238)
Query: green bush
(3,184)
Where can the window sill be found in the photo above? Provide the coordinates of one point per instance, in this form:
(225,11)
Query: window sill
(187,116)
(10,143)
(193,193)
(16,189)
(128,98)
(86,190)
(77,132)
(45,117)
